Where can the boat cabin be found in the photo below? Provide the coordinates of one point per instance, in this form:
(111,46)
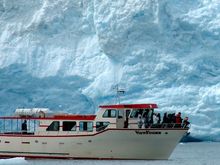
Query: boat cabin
(40,121)
(125,115)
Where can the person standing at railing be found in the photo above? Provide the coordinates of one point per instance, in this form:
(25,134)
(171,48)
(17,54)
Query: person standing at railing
(126,122)
(24,127)
(150,116)
(165,118)
(146,119)
(186,122)
(140,122)
(156,118)
(159,118)
(178,119)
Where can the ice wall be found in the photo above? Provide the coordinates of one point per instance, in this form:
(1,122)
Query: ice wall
(68,55)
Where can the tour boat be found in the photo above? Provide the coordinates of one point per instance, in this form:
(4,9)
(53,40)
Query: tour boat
(120,131)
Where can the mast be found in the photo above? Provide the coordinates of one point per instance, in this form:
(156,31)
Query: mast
(118,93)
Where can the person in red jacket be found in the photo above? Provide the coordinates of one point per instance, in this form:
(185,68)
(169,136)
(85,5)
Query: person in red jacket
(178,119)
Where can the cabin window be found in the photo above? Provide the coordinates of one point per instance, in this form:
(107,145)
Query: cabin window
(136,112)
(120,114)
(69,126)
(110,113)
(86,126)
(54,126)
(101,125)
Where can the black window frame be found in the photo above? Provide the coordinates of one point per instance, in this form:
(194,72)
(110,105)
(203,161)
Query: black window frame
(109,113)
(69,126)
(103,125)
(85,127)
(51,126)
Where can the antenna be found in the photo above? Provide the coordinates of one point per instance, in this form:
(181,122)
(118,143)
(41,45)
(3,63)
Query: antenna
(118,92)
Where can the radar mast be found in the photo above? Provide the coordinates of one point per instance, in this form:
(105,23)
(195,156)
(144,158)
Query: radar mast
(118,93)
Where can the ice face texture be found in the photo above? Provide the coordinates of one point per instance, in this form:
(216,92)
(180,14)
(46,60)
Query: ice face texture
(68,55)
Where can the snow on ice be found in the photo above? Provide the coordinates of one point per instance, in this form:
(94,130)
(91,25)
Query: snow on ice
(68,55)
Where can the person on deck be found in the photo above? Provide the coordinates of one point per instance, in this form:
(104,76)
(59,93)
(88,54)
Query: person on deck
(155,118)
(146,120)
(186,122)
(178,119)
(140,122)
(24,127)
(159,118)
(165,118)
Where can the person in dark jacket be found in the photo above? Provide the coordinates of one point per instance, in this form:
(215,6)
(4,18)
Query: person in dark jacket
(186,122)
(165,118)
(24,127)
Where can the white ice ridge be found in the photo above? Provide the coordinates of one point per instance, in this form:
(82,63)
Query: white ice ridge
(68,55)
(13,161)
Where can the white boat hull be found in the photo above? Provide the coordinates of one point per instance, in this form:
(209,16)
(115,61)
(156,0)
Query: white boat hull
(108,144)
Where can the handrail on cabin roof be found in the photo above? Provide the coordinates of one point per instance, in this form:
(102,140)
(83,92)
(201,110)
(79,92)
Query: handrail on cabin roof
(131,106)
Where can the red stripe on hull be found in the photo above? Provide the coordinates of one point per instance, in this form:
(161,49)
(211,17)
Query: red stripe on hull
(62,157)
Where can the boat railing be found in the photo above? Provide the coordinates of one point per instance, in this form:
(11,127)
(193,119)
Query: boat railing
(13,126)
(169,125)
(101,128)
(159,125)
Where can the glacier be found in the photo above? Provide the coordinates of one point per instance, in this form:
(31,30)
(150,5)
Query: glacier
(69,55)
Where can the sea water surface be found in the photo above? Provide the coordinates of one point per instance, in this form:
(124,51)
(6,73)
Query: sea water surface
(200,153)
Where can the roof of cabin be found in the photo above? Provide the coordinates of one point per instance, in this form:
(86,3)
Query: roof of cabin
(75,117)
(132,106)
(55,117)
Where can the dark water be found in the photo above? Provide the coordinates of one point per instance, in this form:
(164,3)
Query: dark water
(202,153)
